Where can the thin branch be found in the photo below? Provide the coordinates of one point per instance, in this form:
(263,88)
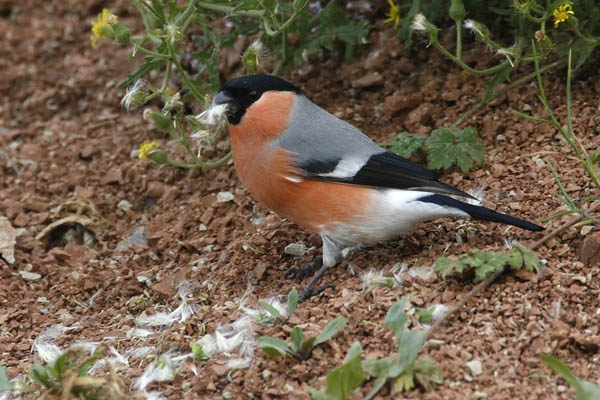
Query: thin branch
(490,279)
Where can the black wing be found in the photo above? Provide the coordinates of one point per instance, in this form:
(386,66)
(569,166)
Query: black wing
(383,170)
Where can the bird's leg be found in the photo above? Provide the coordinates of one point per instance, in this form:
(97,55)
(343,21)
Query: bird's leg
(306,270)
(332,255)
(310,290)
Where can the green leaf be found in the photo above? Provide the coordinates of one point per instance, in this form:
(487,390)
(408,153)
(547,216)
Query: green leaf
(405,144)
(273,347)
(581,50)
(530,259)
(149,64)
(396,319)
(492,261)
(515,260)
(442,150)
(58,368)
(409,346)
(428,374)
(426,315)
(403,383)
(39,375)
(198,350)
(445,266)
(380,370)
(297,338)
(331,329)
(307,347)
(379,367)
(448,146)
(270,309)
(5,383)
(292,301)
(562,369)
(343,380)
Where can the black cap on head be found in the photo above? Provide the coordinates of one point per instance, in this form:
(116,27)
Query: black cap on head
(240,93)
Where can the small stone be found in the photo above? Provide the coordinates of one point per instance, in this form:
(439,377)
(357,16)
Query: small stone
(434,343)
(397,103)
(561,388)
(586,229)
(589,252)
(138,238)
(156,190)
(295,249)
(368,80)
(144,279)
(475,367)
(479,395)
(202,228)
(223,197)
(266,374)
(124,205)
(8,239)
(30,276)
(42,299)
(113,175)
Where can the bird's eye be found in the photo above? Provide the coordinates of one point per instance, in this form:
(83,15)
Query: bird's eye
(253,95)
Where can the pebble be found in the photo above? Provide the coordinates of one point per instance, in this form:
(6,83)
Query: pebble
(223,197)
(475,367)
(30,276)
(368,80)
(295,249)
(124,205)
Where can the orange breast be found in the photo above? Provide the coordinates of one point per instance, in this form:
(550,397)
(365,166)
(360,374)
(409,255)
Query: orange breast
(268,173)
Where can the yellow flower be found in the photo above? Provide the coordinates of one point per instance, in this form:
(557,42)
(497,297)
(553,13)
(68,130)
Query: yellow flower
(394,14)
(561,13)
(147,147)
(105,18)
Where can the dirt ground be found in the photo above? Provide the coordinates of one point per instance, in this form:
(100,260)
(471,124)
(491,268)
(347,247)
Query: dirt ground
(105,239)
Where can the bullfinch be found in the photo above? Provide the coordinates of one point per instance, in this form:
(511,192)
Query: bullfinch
(322,173)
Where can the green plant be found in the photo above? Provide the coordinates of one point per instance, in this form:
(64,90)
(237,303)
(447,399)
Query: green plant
(444,148)
(5,383)
(300,347)
(273,313)
(68,374)
(482,264)
(589,162)
(584,390)
(576,28)
(405,368)
(180,41)
(343,380)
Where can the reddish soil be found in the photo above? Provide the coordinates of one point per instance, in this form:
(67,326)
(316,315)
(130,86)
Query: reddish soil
(68,150)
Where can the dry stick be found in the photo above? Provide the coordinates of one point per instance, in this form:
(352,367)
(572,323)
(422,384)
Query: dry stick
(490,279)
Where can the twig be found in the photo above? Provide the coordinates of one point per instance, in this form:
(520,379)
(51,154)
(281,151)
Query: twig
(568,224)
(490,279)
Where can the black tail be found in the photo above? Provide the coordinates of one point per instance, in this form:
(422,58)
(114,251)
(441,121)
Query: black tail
(479,212)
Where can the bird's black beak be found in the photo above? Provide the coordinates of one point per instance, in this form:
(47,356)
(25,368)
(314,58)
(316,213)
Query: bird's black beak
(223,98)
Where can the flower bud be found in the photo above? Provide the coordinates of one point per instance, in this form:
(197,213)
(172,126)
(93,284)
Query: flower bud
(159,156)
(457,11)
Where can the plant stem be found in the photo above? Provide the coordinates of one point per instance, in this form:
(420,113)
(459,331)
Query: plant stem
(464,66)
(502,92)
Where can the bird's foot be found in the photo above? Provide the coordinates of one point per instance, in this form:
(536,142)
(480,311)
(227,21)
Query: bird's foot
(309,292)
(305,271)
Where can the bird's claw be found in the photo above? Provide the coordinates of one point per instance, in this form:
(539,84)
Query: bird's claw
(305,271)
(309,292)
